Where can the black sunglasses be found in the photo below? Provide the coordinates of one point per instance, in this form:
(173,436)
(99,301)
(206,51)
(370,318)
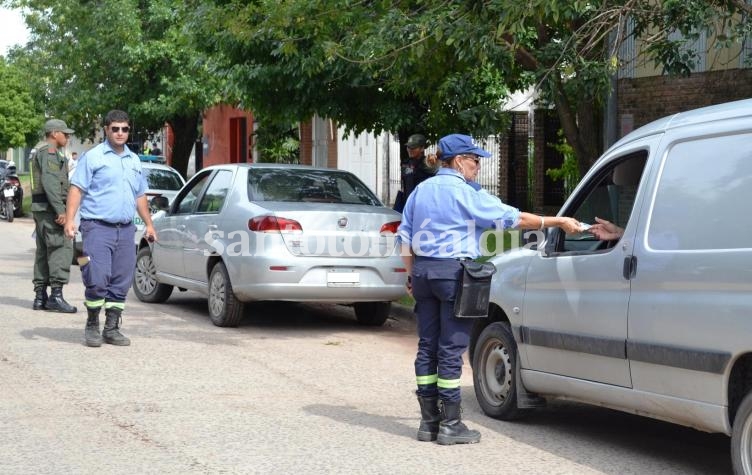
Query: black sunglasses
(117,129)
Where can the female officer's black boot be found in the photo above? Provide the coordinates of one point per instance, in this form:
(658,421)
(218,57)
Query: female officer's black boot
(430,416)
(452,430)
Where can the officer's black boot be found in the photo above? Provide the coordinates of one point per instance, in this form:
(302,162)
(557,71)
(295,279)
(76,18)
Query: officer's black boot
(452,430)
(111,334)
(56,302)
(40,297)
(91,334)
(430,416)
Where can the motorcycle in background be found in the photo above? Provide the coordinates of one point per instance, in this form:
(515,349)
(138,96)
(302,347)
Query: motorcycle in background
(12,197)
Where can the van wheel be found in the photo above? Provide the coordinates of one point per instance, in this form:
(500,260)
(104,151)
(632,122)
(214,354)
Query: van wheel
(372,314)
(741,437)
(494,376)
(225,310)
(145,284)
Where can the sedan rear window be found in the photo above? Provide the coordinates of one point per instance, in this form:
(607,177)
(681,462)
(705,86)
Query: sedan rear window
(302,185)
(159,179)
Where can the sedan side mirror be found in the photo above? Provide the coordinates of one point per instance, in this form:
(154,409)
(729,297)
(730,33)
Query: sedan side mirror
(159,203)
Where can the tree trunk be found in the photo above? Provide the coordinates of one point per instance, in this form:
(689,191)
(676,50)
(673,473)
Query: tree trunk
(185,133)
(590,127)
(581,128)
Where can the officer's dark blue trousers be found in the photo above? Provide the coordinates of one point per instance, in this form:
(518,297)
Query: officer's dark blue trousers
(442,337)
(112,260)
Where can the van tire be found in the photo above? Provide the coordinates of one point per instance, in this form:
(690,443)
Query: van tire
(741,437)
(494,375)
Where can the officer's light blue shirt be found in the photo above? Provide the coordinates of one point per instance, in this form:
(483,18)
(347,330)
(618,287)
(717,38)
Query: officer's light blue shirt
(110,183)
(445,216)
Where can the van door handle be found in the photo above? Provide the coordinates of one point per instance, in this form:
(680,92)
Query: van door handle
(630,267)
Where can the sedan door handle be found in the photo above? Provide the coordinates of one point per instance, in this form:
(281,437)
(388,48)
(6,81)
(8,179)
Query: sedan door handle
(181,227)
(213,227)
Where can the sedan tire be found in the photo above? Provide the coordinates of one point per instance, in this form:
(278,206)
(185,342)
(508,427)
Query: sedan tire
(741,437)
(145,284)
(372,314)
(494,375)
(225,310)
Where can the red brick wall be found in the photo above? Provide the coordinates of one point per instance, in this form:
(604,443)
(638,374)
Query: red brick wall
(650,98)
(331,144)
(306,143)
(217,132)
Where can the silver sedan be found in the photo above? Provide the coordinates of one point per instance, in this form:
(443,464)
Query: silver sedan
(241,232)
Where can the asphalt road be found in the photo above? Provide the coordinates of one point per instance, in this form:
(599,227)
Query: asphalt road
(294,389)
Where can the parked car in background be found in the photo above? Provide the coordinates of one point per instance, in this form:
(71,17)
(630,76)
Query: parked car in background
(162,180)
(239,233)
(657,320)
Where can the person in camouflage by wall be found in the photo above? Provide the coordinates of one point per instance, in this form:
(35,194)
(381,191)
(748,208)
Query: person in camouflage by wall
(49,188)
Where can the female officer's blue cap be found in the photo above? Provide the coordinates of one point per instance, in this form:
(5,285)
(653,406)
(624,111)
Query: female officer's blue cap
(458,144)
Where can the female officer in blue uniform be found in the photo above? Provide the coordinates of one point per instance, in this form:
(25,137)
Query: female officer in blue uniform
(441,224)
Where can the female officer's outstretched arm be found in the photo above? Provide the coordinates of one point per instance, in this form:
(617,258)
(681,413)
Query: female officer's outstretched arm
(533,221)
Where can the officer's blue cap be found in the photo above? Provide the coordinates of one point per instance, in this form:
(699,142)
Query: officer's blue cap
(458,144)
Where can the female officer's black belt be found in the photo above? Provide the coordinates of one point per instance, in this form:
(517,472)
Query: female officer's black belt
(107,223)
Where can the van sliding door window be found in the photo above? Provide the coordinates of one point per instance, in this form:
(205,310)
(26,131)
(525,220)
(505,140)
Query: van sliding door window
(703,196)
(610,196)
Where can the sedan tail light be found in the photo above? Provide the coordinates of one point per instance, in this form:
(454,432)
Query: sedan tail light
(390,228)
(273,224)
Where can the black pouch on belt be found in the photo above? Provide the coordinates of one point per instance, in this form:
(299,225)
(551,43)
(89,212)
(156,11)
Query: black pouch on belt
(474,289)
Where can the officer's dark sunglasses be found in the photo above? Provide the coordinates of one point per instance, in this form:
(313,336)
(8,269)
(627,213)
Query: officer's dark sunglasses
(117,129)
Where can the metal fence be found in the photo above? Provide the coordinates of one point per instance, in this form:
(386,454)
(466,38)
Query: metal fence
(488,177)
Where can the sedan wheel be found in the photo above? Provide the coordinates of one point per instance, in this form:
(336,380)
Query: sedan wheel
(145,284)
(741,437)
(494,374)
(225,310)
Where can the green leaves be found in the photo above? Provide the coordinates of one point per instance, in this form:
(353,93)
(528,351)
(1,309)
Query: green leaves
(19,118)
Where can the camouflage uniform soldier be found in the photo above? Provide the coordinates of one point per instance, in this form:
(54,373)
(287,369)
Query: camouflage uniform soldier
(49,188)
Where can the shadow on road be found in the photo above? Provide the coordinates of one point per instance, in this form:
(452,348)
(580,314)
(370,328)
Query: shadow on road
(349,415)
(66,335)
(631,436)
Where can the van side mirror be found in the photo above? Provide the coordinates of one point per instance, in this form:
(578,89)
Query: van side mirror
(554,236)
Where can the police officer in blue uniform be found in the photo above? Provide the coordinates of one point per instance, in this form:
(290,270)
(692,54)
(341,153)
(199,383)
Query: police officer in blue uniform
(109,185)
(441,224)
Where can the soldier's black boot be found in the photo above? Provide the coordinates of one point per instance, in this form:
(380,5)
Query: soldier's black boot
(452,430)
(56,302)
(111,333)
(91,334)
(40,297)
(430,416)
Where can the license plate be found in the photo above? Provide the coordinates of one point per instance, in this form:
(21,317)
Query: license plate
(334,278)
(8,193)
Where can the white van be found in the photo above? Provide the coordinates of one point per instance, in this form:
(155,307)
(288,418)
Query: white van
(657,322)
